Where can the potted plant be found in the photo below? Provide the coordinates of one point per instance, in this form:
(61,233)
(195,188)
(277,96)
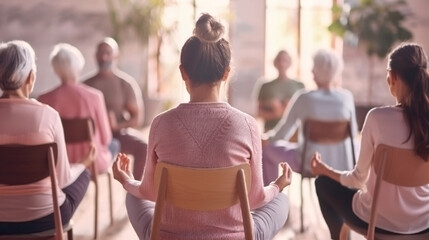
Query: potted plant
(374,25)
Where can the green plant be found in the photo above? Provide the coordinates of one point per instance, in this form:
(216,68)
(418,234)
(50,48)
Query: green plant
(376,24)
(141,17)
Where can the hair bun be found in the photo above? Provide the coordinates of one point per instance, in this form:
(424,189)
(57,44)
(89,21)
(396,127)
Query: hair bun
(207,29)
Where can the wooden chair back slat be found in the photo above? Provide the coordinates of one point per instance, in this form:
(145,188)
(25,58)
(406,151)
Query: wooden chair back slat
(202,189)
(26,164)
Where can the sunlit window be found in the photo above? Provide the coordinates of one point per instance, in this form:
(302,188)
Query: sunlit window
(300,27)
(179,20)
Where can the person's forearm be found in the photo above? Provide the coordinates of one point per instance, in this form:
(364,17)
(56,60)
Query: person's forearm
(332,173)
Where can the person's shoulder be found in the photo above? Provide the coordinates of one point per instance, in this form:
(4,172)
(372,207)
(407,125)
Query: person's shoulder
(91,79)
(45,95)
(124,76)
(47,109)
(269,83)
(87,89)
(384,113)
(239,114)
(381,110)
(345,93)
(296,83)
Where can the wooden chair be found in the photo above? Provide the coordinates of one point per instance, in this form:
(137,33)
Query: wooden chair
(78,130)
(26,164)
(323,132)
(400,167)
(202,189)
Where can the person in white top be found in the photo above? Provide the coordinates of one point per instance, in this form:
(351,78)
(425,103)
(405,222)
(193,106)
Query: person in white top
(344,194)
(327,102)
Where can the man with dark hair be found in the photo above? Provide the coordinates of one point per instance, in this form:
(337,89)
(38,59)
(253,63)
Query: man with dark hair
(124,103)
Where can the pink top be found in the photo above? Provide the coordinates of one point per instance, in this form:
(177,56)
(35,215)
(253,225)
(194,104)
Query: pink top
(76,100)
(210,135)
(29,122)
(402,209)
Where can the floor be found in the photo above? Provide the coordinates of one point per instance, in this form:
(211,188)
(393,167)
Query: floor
(121,229)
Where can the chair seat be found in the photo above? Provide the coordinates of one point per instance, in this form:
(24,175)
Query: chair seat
(39,235)
(389,236)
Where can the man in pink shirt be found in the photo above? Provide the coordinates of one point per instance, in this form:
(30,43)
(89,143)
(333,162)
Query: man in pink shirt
(75,100)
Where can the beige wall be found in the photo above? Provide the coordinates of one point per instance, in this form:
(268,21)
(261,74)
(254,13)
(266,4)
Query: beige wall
(83,23)
(43,23)
(357,64)
(248,41)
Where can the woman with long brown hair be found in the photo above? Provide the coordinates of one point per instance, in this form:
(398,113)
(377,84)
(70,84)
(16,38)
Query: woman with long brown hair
(346,194)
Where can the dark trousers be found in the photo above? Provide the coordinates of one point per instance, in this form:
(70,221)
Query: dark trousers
(74,195)
(335,202)
(132,143)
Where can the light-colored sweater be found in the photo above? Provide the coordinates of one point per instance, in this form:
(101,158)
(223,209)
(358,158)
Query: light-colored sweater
(29,122)
(209,135)
(402,209)
(327,105)
(76,100)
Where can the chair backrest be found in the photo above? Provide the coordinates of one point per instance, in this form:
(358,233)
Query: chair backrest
(326,132)
(25,164)
(202,189)
(397,166)
(78,129)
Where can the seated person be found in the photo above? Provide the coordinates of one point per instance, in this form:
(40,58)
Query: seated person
(28,122)
(73,99)
(212,134)
(327,102)
(274,95)
(347,194)
(124,103)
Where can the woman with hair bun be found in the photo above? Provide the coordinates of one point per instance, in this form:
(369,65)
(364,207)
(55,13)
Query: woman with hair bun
(205,133)
(345,194)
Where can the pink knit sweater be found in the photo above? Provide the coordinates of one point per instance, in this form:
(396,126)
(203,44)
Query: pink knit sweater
(207,135)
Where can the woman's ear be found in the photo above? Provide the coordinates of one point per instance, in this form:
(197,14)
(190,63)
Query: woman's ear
(226,74)
(185,76)
(30,82)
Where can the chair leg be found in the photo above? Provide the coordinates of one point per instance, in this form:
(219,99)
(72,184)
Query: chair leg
(109,178)
(345,232)
(96,207)
(70,234)
(302,206)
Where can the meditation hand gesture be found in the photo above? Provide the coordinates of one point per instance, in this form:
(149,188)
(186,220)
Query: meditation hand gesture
(285,179)
(317,166)
(122,169)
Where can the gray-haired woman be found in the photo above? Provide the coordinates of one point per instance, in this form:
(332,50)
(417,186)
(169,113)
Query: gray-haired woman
(328,102)
(28,208)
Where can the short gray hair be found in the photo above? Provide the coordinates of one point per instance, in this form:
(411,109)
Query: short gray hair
(17,60)
(66,60)
(327,64)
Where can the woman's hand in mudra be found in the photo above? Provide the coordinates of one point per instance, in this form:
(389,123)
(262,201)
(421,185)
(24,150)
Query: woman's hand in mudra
(122,169)
(285,179)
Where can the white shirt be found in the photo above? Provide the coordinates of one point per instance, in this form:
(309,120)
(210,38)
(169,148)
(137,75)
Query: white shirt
(321,104)
(401,209)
